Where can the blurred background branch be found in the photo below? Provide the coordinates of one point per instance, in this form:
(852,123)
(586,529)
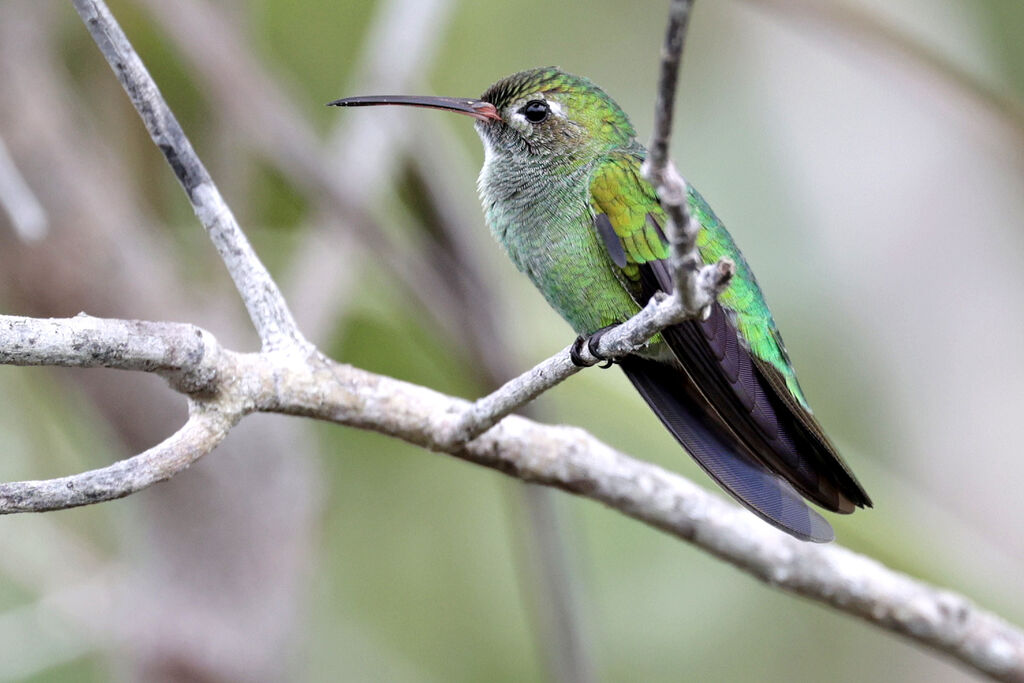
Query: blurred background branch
(864,33)
(23,209)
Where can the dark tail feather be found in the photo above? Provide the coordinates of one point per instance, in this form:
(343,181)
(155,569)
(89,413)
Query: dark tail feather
(675,400)
(733,381)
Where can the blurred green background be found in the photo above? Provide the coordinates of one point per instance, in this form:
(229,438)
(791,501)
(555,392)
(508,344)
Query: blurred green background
(867,156)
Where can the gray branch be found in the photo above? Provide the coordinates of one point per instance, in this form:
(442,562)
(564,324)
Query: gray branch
(205,428)
(178,351)
(627,338)
(668,77)
(263,299)
(696,284)
(562,457)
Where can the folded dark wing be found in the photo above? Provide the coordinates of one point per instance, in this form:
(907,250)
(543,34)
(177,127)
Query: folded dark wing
(680,407)
(732,410)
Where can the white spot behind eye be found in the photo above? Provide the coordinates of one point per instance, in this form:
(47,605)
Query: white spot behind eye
(519,121)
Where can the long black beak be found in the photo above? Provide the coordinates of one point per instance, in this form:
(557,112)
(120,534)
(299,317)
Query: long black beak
(478,109)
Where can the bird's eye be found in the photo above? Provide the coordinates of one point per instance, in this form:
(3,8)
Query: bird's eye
(535,111)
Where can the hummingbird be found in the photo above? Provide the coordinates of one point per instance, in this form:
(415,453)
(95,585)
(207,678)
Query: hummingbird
(563,194)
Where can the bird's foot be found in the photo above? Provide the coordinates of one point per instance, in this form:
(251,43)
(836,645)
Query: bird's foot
(592,340)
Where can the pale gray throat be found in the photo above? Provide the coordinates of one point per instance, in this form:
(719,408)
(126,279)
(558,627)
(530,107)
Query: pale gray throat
(530,186)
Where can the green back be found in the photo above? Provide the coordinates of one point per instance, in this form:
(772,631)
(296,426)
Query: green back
(619,191)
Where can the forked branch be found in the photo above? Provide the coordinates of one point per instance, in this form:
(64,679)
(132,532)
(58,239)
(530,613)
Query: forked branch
(562,457)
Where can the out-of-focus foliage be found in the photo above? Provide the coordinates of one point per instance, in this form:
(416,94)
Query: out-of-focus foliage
(880,207)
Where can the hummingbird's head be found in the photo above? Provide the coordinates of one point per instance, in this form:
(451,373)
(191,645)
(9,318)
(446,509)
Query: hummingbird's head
(547,112)
(540,113)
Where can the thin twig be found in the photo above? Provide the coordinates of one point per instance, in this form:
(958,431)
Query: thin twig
(266,305)
(202,432)
(659,313)
(234,79)
(696,284)
(668,77)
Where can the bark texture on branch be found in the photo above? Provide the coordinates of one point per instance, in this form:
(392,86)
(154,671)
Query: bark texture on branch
(263,299)
(563,457)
